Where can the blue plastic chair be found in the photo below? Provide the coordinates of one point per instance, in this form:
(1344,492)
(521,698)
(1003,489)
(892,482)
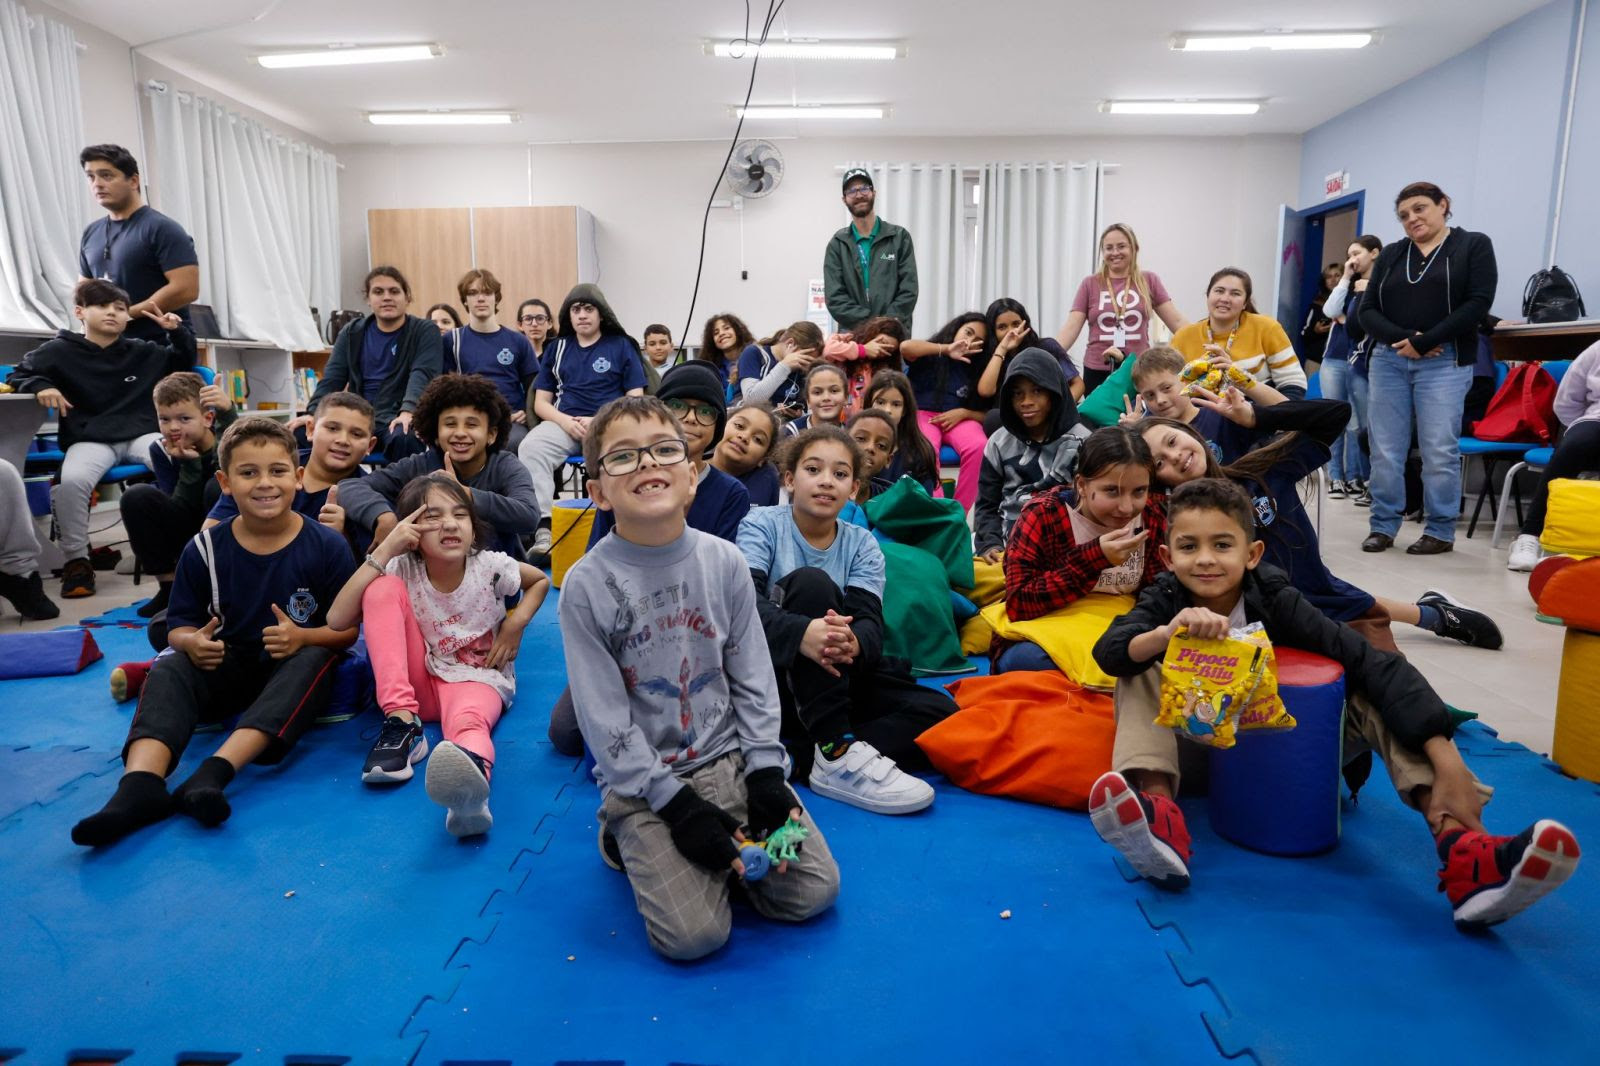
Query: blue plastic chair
(1534,459)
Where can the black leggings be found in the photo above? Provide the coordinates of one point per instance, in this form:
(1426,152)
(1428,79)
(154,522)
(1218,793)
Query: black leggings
(1578,451)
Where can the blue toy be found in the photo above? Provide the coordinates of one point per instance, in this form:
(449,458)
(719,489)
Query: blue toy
(782,845)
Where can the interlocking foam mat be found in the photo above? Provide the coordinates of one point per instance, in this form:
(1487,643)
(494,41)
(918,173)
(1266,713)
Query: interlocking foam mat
(331,922)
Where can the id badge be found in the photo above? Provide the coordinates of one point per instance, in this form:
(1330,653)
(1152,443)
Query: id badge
(1119,338)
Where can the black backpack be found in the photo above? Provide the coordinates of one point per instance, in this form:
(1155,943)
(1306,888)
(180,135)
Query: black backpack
(1552,296)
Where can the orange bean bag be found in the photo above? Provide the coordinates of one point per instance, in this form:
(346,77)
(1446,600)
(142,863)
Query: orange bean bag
(1030,735)
(1571,595)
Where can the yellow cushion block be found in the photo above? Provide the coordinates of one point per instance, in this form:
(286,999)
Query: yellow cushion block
(988,584)
(976,635)
(570,524)
(1577,740)
(1068,636)
(1570,526)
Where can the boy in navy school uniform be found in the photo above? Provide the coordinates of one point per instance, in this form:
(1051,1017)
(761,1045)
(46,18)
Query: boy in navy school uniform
(483,346)
(249,636)
(463,418)
(1216,584)
(592,362)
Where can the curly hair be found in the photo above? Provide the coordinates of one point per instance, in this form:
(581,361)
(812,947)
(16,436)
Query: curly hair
(461,390)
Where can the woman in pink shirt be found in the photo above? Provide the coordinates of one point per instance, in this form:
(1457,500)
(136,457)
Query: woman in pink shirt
(1117,303)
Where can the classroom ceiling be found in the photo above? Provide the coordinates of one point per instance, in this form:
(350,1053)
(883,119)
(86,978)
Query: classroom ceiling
(634,70)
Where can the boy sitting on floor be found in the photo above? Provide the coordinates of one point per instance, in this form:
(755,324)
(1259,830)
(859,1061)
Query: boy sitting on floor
(1158,377)
(1216,585)
(464,420)
(99,384)
(676,698)
(249,602)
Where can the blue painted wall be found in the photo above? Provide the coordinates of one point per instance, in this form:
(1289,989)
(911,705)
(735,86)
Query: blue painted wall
(1485,126)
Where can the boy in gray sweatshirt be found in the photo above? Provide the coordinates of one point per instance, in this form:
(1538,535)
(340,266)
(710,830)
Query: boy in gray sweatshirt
(1034,451)
(676,697)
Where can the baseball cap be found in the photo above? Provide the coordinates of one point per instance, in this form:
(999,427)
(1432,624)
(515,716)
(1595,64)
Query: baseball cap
(853,174)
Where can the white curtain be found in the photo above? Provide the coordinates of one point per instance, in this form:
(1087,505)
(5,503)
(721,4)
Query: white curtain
(1036,236)
(927,200)
(263,211)
(43,206)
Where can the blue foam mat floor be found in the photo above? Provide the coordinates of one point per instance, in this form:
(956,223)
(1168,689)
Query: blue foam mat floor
(331,922)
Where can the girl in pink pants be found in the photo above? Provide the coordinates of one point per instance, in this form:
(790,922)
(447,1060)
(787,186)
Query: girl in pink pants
(442,644)
(944,372)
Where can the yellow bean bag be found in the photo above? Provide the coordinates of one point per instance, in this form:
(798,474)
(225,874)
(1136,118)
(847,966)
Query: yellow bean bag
(1068,636)
(1569,523)
(988,583)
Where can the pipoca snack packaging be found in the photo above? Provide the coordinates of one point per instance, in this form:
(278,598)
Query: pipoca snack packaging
(1211,689)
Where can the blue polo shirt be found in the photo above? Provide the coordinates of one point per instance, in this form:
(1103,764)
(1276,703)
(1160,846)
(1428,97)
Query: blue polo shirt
(583,380)
(380,354)
(505,357)
(136,253)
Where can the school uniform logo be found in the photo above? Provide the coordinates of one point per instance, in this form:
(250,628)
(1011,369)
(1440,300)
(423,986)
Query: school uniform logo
(1265,511)
(886,257)
(505,357)
(600,365)
(302,605)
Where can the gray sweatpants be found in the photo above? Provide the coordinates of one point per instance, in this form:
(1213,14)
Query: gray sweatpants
(19,548)
(544,449)
(685,906)
(86,463)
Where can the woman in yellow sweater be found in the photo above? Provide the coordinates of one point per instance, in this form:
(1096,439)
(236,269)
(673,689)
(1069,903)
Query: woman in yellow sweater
(1255,343)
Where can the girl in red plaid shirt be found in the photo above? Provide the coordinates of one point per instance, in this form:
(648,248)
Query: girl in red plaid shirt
(1103,541)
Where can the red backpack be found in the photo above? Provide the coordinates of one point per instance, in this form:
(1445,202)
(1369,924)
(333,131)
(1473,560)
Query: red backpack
(1522,410)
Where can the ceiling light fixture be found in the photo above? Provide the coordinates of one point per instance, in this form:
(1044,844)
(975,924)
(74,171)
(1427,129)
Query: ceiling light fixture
(805,48)
(442,118)
(1285,41)
(1180,107)
(346,55)
(755,111)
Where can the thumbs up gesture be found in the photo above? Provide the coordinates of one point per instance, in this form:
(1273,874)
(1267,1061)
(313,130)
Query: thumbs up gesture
(332,515)
(285,638)
(203,647)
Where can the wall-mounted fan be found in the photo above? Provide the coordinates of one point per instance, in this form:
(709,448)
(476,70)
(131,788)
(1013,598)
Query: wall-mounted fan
(755,169)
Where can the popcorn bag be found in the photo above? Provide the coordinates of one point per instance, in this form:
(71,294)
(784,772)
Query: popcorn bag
(1210,689)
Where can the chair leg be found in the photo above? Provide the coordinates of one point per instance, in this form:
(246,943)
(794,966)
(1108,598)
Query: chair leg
(1488,483)
(1500,517)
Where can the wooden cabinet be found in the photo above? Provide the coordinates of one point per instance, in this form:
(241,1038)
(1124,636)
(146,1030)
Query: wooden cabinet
(534,251)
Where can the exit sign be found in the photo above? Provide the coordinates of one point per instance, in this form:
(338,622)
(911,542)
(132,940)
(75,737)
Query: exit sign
(1336,184)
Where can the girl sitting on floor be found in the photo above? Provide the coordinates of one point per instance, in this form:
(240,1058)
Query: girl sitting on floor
(850,722)
(745,451)
(442,644)
(1103,542)
(827,394)
(1271,474)
(890,391)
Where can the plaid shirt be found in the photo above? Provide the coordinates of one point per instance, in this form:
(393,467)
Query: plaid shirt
(1046,569)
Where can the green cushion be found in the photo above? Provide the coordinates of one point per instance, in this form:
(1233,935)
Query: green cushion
(906,513)
(918,624)
(1104,405)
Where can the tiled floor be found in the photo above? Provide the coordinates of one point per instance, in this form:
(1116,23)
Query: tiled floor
(1513,690)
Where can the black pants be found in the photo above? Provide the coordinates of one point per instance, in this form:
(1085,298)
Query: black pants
(880,704)
(1093,379)
(158,526)
(279,697)
(565,736)
(1578,451)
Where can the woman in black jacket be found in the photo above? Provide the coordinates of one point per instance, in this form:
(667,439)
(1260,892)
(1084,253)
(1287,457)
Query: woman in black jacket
(1428,294)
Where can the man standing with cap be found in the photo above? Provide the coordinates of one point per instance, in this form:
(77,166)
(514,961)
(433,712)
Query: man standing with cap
(869,268)
(136,247)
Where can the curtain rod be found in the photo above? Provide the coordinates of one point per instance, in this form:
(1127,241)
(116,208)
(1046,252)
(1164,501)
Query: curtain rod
(1054,165)
(155,86)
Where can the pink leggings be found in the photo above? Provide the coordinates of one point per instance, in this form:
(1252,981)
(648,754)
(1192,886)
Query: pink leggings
(968,440)
(467,710)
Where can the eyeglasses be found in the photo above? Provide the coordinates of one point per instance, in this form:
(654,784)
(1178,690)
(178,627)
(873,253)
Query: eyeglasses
(703,413)
(858,192)
(533,320)
(626,460)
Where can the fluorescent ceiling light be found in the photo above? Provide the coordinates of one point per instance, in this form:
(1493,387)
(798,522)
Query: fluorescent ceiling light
(812,111)
(805,48)
(1181,107)
(441,118)
(339,56)
(1276,42)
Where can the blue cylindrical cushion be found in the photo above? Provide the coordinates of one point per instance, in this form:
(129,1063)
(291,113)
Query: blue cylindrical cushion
(1278,792)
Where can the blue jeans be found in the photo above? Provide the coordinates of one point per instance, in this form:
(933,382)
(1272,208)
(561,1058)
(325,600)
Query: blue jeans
(1024,655)
(1425,396)
(1340,382)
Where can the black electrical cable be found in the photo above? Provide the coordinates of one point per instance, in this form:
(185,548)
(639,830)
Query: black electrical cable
(773,7)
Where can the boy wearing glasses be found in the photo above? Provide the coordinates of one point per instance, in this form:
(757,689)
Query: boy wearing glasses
(676,697)
(592,362)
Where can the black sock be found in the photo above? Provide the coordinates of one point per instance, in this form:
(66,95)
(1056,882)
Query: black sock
(140,799)
(158,602)
(201,796)
(485,767)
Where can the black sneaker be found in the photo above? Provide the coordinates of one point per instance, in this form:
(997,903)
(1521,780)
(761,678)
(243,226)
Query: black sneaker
(1362,496)
(27,596)
(610,854)
(157,603)
(399,747)
(1338,490)
(77,579)
(1471,627)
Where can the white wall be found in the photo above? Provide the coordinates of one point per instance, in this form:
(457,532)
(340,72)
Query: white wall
(1196,203)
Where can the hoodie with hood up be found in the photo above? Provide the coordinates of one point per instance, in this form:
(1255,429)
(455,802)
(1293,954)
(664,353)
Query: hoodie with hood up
(581,380)
(1015,465)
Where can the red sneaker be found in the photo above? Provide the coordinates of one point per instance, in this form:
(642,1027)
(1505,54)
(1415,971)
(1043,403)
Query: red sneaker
(1148,830)
(127,680)
(1489,878)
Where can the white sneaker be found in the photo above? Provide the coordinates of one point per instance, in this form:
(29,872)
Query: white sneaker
(455,783)
(1525,553)
(864,777)
(541,541)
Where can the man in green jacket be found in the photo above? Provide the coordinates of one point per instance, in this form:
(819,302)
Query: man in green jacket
(869,268)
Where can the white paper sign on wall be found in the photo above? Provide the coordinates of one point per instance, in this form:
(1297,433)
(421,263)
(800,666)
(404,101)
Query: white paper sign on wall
(1336,184)
(817,305)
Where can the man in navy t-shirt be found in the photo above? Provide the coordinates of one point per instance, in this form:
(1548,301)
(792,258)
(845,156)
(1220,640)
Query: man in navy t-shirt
(591,362)
(135,247)
(485,347)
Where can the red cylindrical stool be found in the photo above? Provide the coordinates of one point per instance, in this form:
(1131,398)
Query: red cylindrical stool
(1278,791)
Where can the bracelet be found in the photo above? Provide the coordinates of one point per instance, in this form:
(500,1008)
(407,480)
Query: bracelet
(370,561)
